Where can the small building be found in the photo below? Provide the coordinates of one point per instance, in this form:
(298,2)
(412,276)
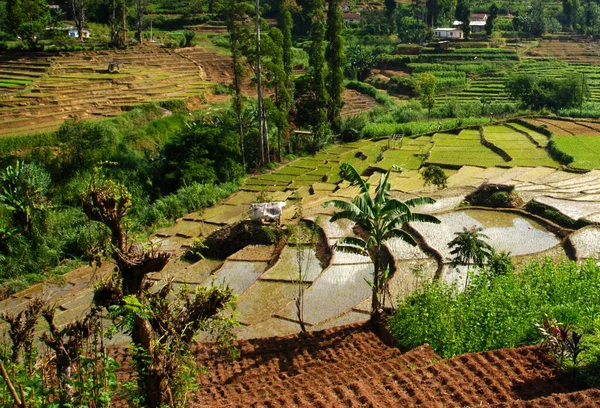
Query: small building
(345,7)
(477,23)
(454,33)
(351,18)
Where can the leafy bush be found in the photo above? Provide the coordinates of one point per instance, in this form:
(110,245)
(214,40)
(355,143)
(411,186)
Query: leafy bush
(352,126)
(434,175)
(498,310)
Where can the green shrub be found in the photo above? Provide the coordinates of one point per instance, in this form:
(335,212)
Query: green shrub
(352,126)
(498,310)
(187,199)
(372,130)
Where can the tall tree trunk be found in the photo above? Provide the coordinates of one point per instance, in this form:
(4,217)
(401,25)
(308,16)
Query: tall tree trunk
(237,99)
(78,7)
(124,21)
(261,118)
(140,10)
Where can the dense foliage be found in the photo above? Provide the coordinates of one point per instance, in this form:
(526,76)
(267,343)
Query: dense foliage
(499,309)
(171,165)
(549,92)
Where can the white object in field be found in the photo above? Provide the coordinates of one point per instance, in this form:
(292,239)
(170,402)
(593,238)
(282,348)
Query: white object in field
(262,211)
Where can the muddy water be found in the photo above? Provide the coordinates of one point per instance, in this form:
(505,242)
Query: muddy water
(506,231)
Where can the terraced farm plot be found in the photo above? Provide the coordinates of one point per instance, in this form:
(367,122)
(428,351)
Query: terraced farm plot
(569,127)
(409,156)
(355,102)
(519,147)
(463,149)
(541,139)
(552,128)
(584,149)
(78,85)
(576,51)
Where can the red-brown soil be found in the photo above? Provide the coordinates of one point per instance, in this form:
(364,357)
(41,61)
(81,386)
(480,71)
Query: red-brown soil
(349,366)
(551,127)
(570,128)
(355,102)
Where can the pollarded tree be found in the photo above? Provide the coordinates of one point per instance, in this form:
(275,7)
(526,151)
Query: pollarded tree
(162,324)
(381,218)
(336,59)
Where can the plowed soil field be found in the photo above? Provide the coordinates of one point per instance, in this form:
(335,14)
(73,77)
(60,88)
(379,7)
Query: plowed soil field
(570,127)
(349,366)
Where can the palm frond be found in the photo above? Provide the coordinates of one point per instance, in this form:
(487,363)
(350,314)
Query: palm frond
(349,173)
(403,235)
(420,217)
(364,204)
(342,205)
(395,205)
(349,215)
(414,202)
(355,241)
(352,245)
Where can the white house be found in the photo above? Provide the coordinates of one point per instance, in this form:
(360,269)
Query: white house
(455,33)
(477,23)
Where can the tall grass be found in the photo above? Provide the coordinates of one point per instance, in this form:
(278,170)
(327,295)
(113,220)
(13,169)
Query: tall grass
(373,130)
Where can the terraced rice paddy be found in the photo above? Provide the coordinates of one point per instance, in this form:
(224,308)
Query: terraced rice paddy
(506,231)
(78,85)
(584,149)
(572,50)
(519,147)
(540,139)
(462,149)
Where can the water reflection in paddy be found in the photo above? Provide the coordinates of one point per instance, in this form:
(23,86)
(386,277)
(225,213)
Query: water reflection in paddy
(506,231)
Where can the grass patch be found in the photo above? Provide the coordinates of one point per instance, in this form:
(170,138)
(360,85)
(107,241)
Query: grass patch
(462,150)
(519,147)
(585,150)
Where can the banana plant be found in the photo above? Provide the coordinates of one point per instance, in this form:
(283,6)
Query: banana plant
(380,218)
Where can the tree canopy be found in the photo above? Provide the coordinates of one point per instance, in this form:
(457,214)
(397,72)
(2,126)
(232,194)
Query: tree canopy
(549,92)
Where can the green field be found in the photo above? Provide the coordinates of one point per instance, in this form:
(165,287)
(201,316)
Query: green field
(541,139)
(519,147)
(462,150)
(584,149)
